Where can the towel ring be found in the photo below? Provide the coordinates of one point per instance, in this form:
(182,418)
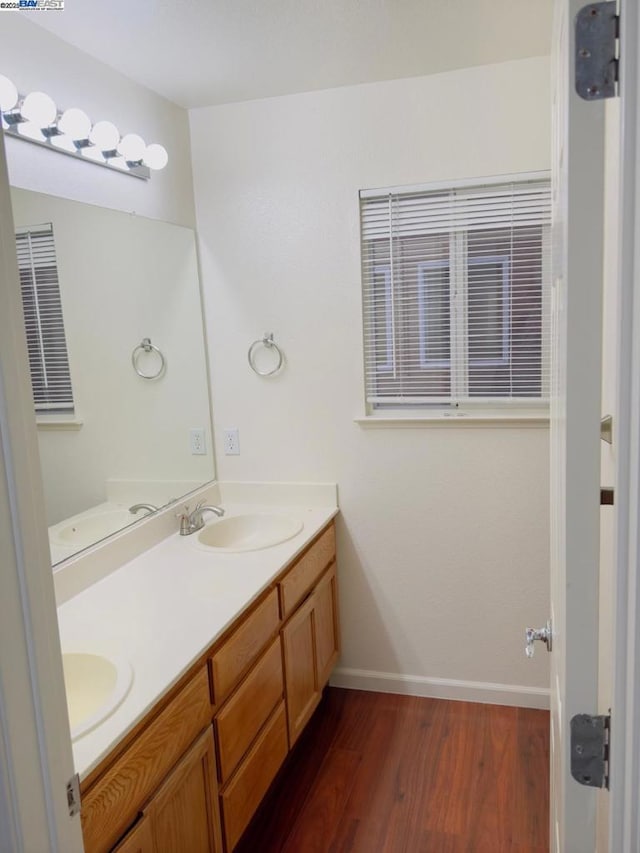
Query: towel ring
(268,342)
(146,346)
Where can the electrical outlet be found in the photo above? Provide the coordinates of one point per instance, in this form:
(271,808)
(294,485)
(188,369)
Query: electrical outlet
(197,442)
(232,442)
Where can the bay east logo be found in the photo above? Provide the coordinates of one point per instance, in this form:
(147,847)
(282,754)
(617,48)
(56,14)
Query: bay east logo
(41,5)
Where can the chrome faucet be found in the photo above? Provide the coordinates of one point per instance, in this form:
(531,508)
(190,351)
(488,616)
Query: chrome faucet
(194,521)
(137,507)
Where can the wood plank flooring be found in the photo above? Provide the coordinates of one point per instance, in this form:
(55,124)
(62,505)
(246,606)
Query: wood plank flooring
(380,773)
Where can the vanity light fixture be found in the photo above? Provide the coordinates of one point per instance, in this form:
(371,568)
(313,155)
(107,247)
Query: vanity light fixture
(36,118)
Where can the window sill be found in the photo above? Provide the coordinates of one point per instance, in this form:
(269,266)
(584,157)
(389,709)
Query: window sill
(493,420)
(58,422)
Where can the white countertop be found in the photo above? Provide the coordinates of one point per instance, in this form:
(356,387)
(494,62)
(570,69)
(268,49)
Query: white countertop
(164,608)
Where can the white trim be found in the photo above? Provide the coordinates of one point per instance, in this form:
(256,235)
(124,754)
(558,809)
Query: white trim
(624,826)
(485,692)
(485,181)
(58,422)
(455,419)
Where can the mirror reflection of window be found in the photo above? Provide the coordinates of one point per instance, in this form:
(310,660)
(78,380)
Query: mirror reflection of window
(44,323)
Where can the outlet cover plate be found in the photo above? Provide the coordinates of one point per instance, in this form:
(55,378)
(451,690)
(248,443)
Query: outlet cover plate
(232,442)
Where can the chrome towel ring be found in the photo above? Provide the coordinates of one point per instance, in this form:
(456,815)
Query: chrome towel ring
(146,346)
(268,342)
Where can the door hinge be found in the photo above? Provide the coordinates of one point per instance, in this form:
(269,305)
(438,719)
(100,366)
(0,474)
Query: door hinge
(597,51)
(590,737)
(73,795)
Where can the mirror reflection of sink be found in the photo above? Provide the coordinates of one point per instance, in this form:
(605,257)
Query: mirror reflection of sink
(86,531)
(96,686)
(248,532)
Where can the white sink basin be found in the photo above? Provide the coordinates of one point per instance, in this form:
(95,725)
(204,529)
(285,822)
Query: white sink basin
(95,686)
(248,532)
(86,531)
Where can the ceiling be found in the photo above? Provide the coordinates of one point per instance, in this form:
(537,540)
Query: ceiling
(203,52)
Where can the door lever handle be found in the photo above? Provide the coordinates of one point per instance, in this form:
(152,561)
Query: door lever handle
(533,634)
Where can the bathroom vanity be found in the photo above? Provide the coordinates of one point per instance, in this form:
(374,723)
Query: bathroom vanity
(192,663)
(186,759)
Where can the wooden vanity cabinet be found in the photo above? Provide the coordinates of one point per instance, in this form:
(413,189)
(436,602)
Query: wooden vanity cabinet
(238,723)
(300,579)
(251,740)
(247,787)
(115,800)
(326,625)
(192,776)
(183,814)
(310,641)
(139,839)
(240,650)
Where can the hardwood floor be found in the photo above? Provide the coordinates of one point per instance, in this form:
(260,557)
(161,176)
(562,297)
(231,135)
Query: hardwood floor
(379,773)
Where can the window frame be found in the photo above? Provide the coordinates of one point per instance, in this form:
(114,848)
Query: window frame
(58,413)
(530,411)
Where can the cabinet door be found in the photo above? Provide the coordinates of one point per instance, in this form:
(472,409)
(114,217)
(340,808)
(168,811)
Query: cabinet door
(117,797)
(326,626)
(139,840)
(303,693)
(184,814)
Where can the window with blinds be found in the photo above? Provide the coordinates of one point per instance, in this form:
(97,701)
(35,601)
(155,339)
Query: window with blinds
(456,295)
(44,324)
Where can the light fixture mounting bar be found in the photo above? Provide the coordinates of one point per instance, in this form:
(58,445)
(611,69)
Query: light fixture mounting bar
(141,172)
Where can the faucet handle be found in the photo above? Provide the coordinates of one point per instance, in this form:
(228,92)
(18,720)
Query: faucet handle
(185,521)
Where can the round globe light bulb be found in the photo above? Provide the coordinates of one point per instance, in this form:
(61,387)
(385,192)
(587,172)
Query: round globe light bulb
(132,147)
(105,136)
(155,157)
(39,108)
(75,123)
(8,94)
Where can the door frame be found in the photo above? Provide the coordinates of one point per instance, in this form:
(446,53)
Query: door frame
(36,759)
(624,824)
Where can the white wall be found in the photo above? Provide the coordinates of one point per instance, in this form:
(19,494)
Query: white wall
(443,536)
(123,278)
(36,60)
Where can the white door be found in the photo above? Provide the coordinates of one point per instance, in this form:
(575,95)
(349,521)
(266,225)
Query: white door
(625,753)
(36,759)
(578,161)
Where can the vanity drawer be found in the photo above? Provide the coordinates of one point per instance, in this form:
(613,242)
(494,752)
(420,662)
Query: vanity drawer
(248,709)
(113,802)
(237,654)
(249,785)
(302,577)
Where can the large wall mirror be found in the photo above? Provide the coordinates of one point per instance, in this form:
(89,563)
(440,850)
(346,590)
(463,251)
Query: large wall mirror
(117,355)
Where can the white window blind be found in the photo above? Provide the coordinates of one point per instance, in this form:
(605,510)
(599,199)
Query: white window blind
(456,295)
(44,324)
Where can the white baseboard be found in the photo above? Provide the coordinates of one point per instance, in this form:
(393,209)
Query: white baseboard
(516,695)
